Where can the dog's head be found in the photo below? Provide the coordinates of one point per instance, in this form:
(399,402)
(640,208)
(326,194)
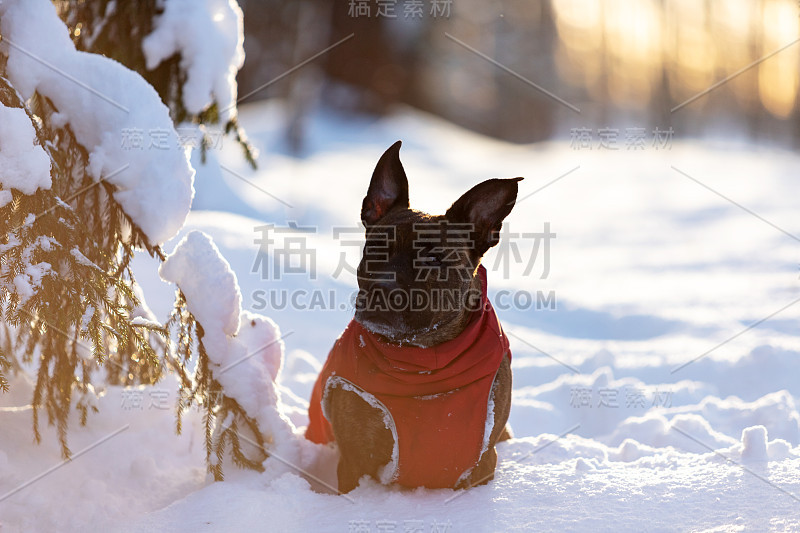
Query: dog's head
(417,278)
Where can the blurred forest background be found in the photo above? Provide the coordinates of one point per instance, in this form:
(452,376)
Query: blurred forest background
(613,64)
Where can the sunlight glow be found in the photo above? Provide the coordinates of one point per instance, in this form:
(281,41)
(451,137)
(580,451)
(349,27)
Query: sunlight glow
(618,49)
(778,76)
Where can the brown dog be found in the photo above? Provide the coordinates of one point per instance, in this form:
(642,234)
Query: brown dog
(417,390)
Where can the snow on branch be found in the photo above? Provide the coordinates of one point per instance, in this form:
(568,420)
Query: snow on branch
(212,293)
(241,354)
(209,36)
(26,166)
(76,201)
(101,100)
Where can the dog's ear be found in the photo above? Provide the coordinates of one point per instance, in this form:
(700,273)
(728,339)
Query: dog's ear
(484,207)
(388,189)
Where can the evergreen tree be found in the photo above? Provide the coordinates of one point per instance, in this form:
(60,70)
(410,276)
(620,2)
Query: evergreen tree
(69,305)
(116,30)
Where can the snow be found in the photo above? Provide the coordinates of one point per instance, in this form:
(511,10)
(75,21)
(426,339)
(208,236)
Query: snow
(246,349)
(25,164)
(142,321)
(209,36)
(106,107)
(87,317)
(29,281)
(754,444)
(254,357)
(259,333)
(82,259)
(207,281)
(488,425)
(650,270)
(5,198)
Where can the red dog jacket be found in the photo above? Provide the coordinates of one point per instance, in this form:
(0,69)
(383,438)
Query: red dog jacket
(438,399)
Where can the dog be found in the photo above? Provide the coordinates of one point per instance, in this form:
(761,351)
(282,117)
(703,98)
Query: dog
(417,390)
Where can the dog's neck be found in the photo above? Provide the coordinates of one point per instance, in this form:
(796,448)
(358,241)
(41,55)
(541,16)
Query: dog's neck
(442,332)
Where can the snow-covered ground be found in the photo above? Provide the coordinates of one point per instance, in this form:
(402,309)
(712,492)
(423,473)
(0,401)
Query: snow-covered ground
(644,401)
